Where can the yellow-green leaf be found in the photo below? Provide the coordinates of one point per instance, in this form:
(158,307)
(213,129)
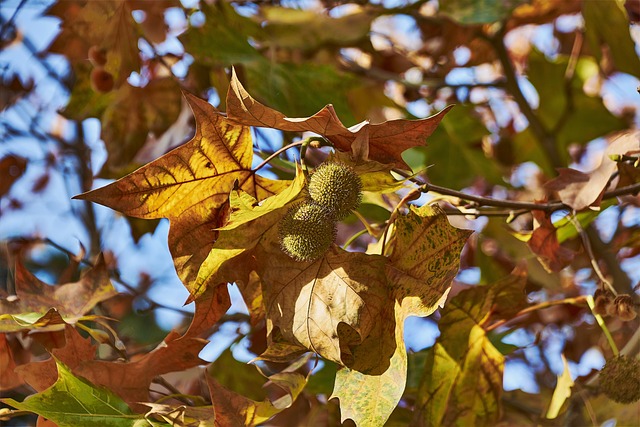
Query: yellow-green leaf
(73,401)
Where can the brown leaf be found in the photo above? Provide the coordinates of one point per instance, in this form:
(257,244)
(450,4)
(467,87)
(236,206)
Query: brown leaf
(11,169)
(309,301)
(210,307)
(544,243)
(233,409)
(71,300)
(581,190)
(190,186)
(9,378)
(387,140)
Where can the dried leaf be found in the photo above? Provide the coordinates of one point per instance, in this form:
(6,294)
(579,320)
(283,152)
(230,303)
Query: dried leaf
(190,185)
(581,190)
(234,410)
(35,298)
(387,140)
(9,378)
(11,169)
(182,415)
(308,301)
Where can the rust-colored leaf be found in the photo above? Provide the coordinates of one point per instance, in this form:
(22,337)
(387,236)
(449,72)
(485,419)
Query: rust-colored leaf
(190,186)
(235,410)
(544,243)
(9,378)
(386,141)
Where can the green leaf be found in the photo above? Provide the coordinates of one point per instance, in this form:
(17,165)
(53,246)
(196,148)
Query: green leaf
(606,22)
(425,258)
(238,377)
(223,39)
(579,117)
(73,401)
(454,154)
(462,381)
(479,11)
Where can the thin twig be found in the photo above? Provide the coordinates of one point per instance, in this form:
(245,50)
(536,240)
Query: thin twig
(540,306)
(177,394)
(587,247)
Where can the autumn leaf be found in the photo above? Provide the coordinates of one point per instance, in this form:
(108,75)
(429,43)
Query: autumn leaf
(308,301)
(544,243)
(462,379)
(107,25)
(387,140)
(181,415)
(73,401)
(247,224)
(8,377)
(132,115)
(11,169)
(235,410)
(580,190)
(37,304)
(425,258)
(131,380)
(190,186)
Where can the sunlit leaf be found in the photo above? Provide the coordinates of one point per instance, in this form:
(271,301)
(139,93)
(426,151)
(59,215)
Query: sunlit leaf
(73,401)
(190,185)
(424,260)
(562,391)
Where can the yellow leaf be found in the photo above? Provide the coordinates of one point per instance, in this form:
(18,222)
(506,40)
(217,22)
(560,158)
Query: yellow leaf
(562,391)
(190,186)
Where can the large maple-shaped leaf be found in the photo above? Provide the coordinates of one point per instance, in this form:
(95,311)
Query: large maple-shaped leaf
(37,304)
(462,380)
(190,185)
(425,258)
(324,304)
(386,140)
(73,401)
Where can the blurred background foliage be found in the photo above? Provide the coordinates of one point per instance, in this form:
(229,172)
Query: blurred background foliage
(91,90)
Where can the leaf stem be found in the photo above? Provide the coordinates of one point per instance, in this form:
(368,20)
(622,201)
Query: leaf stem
(603,326)
(540,306)
(276,154)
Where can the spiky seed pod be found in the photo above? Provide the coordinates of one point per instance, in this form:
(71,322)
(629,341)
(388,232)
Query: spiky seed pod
(620,379)
(307,231)
(337,187)
(624,307)
(603,299)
